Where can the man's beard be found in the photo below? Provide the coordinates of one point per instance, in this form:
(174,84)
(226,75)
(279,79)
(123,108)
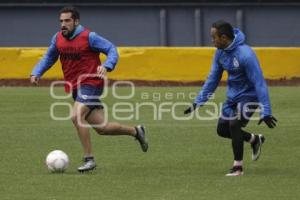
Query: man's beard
(69,34)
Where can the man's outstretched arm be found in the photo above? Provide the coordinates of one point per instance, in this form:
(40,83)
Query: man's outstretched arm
(210,85)
(46,62)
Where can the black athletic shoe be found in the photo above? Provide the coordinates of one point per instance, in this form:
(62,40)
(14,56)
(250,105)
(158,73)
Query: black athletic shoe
(256,146)
(236,171)
(89,164)
(140,136)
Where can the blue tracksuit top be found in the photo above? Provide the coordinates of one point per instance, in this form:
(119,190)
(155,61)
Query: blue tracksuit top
(97,43)
(245,77)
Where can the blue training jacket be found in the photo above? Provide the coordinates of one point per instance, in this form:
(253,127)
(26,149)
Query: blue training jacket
(97,43)
(245,77)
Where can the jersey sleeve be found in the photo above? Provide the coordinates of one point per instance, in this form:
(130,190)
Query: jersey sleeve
(48,60)
(102,45)
(211,83)
(255,76)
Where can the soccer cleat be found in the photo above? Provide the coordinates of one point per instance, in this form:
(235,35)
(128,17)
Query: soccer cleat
(89,164)
(140,136)
(236,171)
(256,146)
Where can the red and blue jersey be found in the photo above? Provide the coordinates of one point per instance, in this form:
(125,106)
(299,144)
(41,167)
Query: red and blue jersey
(79,56)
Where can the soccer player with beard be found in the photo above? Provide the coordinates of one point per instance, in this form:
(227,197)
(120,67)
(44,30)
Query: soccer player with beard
(78,50)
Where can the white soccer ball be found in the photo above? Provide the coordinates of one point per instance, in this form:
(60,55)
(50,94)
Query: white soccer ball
(57,161)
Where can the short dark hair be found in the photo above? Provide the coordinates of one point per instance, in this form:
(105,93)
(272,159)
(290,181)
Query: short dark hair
(224,28)
(71,9)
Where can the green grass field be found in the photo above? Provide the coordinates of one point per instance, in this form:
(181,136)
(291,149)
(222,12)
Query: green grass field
(186,159)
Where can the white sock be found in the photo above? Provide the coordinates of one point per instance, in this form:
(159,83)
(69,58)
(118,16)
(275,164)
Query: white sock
(238,163)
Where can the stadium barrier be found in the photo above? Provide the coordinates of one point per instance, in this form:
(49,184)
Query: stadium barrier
(156,63)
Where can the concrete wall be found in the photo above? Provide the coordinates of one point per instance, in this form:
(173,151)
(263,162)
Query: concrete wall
(154,25)
(156,63)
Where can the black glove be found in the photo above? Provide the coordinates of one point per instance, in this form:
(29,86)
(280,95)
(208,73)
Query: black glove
(269,120)
(190,109)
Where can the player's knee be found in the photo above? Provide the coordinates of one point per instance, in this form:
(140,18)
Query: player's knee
(76,118)
(234,124)
(221,129)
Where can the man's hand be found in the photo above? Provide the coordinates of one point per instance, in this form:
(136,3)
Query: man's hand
(34,80)
(190,109)
(101,71)
(269,120)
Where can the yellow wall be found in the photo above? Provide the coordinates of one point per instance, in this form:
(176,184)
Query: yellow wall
(155,63)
